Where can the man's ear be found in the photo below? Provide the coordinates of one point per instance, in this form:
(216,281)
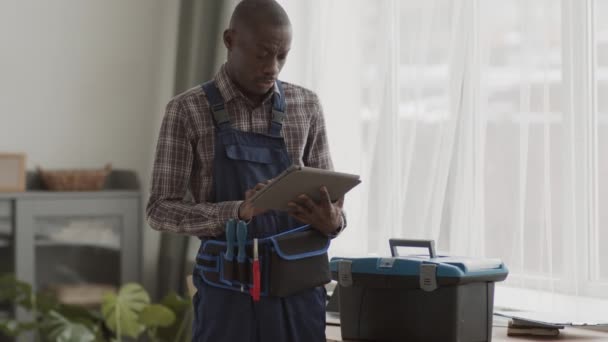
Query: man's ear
(228,39)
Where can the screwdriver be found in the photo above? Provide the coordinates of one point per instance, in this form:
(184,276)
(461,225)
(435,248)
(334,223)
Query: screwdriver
(241,239)
(230,237)
(255,291)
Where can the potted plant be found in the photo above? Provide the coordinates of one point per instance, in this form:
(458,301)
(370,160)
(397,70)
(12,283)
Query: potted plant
(127,314)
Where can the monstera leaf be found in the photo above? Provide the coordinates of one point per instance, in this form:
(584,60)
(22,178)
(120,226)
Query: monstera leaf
(16,291)
(79,314)
(13,328)
(176,303)
(156,315)
(60,329)
(180,330)
(10,328)
(121,311)
(46,302)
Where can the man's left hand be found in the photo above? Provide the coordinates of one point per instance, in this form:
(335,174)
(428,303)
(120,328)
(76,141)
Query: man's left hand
(324,216)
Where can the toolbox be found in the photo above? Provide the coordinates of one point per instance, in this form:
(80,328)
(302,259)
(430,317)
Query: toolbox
(416,297)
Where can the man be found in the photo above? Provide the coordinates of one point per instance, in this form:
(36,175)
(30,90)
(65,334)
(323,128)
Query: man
(222,142)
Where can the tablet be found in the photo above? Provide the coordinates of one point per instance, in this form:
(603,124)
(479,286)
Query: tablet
(297,180)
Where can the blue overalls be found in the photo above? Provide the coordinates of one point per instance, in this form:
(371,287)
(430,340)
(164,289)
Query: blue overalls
(243,159)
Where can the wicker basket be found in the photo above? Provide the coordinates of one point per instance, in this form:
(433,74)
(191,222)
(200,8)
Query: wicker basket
(74,180)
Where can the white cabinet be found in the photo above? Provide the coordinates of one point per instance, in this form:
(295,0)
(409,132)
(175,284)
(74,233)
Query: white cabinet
(52,239)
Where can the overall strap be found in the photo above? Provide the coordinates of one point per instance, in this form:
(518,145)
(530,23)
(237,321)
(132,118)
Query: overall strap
(278,110)
(216,103)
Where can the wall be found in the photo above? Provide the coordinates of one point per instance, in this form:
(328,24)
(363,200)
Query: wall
(83,83)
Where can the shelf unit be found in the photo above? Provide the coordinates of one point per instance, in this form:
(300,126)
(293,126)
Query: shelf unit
(63,238)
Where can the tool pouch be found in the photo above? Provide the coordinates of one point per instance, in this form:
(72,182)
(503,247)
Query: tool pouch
(297,261)
(290,262)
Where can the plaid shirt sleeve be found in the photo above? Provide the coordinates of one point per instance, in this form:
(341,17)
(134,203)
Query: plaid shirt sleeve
(316,153)
(169,207)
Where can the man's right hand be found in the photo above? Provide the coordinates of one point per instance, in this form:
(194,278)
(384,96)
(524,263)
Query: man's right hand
(246,210)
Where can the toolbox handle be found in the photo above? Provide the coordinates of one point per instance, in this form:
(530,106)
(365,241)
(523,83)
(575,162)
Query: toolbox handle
(394,243)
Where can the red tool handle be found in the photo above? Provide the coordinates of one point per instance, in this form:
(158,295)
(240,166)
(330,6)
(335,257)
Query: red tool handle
(255,291)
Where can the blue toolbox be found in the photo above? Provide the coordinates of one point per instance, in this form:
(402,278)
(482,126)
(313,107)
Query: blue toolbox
(416,298)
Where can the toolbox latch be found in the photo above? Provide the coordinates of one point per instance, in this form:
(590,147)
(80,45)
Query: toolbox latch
(345,274)
(428,277)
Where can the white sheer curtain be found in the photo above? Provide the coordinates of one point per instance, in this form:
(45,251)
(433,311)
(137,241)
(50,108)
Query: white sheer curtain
(479,124)
(391,90)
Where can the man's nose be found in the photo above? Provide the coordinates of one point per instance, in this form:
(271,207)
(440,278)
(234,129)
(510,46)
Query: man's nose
(272,67)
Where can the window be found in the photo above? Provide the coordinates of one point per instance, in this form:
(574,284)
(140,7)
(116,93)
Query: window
(479,124)
(521,81)
(601,77)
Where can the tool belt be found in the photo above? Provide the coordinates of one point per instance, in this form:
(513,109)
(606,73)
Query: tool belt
(290,262)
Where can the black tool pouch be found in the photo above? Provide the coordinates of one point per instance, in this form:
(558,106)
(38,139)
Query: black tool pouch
(290,262)
(297,261)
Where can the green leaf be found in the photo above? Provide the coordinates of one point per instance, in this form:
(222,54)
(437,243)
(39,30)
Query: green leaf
(156,315)
(13,328)
(10,328)
(176,303)
(60,329)
(46,301)
(16,291)
(99,337)
(79,314)
(25,326)
(121,310)
(180,330)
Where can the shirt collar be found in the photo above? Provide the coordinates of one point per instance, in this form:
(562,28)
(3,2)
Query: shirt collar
(230,91)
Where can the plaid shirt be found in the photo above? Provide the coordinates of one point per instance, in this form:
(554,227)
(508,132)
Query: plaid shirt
(185,152)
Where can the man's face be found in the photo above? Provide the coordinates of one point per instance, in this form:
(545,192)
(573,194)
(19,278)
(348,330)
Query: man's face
(256,56)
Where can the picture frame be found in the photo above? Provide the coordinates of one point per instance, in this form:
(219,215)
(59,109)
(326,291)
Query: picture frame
(12,172)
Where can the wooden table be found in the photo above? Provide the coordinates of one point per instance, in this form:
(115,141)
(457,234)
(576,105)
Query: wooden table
(499,334)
